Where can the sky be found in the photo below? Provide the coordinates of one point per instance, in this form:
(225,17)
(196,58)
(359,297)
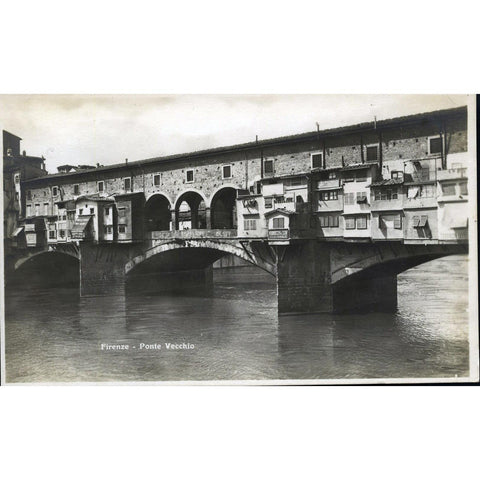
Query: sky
(107,129)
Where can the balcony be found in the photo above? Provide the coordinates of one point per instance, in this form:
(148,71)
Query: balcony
(194,234)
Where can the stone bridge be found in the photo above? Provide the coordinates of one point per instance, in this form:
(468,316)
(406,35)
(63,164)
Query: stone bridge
(312,275)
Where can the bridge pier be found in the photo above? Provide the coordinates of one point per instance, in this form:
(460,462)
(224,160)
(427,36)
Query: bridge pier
(304,282)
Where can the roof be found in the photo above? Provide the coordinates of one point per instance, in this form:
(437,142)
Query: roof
(358,166)
(93,198)
(390,181)
(312,135)
(280,210)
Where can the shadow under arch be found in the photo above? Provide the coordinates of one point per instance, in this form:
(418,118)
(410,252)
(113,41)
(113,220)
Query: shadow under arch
(157,213)
(51,268)
(223,209)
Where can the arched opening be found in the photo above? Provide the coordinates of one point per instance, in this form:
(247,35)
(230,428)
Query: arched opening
(157,213)
(223,208)
(190,212)
(47,269)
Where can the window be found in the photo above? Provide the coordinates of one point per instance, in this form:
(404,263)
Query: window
(349,198)
(122,229)
(61,233)
(448,189)
(76,189)
(323,220)
(100,186)
(333,220)
(386,194)
(29,194)
(52,234)
(37,209)
(45,208)
(268,166)
(92,211)
(227,171)
(397,175)
(397,222)
(372,153)
(268,202)
(279,222)
(317,160)
(330,195)
(350,223)
(29,211)
(361,197)
(122,211)
(108,229)
(435,145)
(156,180)
(420,221)
(463,188)
(361,222)
(127,184)
(80,211)
(332,175)
(54,191)
(189,176)
(250,224)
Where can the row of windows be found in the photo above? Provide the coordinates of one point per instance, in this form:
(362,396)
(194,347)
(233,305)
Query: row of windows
(386,194)
(358,223)
(355,197)
(329,221)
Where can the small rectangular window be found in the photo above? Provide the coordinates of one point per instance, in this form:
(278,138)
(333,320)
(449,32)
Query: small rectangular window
(423,221)
(372,153)
(317,160)
(100,186)
(127,184)
(76,189)
(107,211)
(361,197)
(250,224)
(156,180)
(268,166)
(45,208)
(323,219)
(349,198)
(279,222)
(350,223)
(189,176)
(29,194)
(361,222)
(122,229)
(332,175)
(463,188)
(268,202)
(80,211)
(227,171)
(52,234)
(92,211)
(416,221)
(435,145)
(29,211)
(54,191)
(398,175)
(37,209)
(448,189)
(397,222)
(61,233)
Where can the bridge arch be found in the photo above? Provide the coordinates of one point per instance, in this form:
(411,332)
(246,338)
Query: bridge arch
(190,210)
(388,260)
(223,210)
(214,249)
(157,212)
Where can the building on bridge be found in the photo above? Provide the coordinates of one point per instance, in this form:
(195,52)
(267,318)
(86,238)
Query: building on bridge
(401,181)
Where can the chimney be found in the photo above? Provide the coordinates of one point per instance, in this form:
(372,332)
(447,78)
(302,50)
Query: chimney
(126,161)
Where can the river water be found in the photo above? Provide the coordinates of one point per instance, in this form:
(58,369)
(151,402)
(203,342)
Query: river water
(56,336)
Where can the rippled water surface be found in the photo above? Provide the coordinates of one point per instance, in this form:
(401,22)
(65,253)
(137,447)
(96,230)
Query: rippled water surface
(55,336)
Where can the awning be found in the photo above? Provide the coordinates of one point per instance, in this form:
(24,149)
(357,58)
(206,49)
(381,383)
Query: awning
(452,219)
(17,232)
(80,226)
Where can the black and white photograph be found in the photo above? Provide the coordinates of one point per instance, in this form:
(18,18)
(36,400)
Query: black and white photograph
(239,239)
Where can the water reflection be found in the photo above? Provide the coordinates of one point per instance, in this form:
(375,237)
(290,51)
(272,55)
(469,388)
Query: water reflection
(54,335)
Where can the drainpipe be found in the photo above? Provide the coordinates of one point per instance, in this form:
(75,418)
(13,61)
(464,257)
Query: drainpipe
(380,153)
